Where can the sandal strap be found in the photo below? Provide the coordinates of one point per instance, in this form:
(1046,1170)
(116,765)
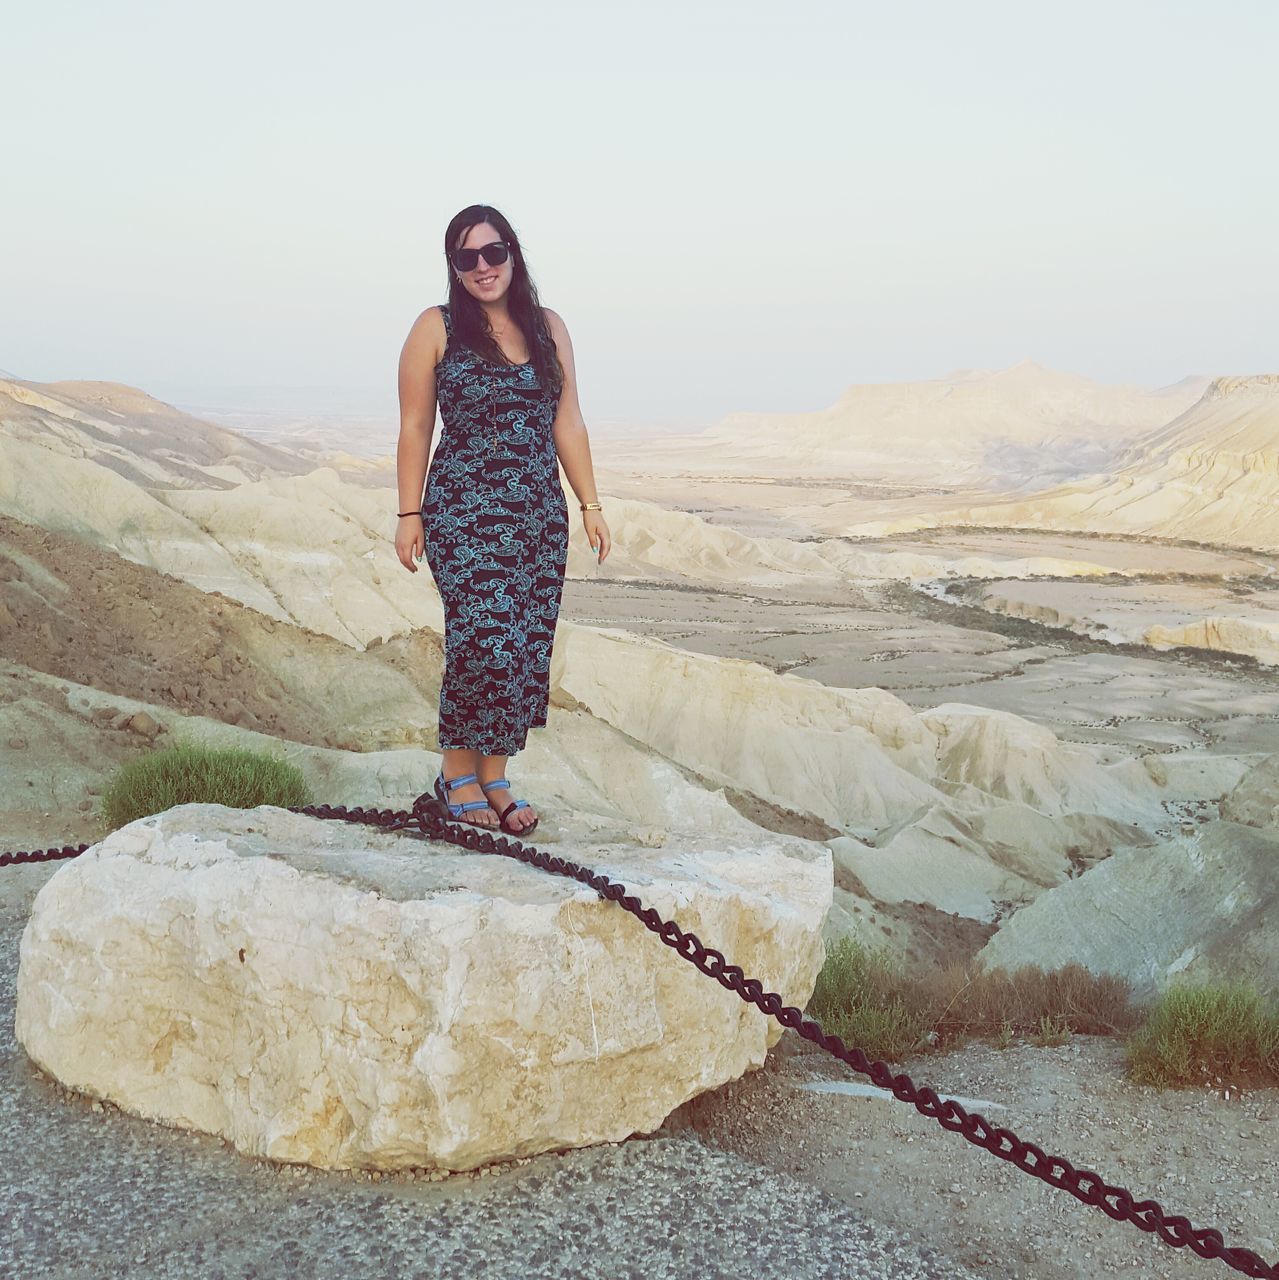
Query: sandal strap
(506,813)
(460,782)
(492,786)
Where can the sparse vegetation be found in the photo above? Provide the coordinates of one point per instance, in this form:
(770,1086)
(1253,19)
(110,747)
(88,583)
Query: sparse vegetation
(190,774)
(863,997)
(1219,1035)
(1051,1032)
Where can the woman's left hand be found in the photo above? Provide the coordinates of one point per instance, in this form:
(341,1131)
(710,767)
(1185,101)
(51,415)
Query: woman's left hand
(597,534)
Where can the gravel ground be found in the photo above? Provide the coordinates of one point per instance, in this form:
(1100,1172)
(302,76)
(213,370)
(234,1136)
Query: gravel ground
(1210,1157)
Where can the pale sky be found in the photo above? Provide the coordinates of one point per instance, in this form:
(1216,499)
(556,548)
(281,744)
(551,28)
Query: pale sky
(734,206)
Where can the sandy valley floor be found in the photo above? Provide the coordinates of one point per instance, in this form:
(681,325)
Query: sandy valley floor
(929,648)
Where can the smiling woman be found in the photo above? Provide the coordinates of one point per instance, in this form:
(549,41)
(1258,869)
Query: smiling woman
(493,521)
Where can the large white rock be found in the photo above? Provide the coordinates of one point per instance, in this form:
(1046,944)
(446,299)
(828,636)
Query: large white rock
(329,993)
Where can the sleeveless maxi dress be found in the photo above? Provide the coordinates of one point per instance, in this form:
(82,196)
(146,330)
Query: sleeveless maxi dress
(496,540)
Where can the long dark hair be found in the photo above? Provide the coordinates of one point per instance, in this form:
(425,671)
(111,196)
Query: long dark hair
(470,321)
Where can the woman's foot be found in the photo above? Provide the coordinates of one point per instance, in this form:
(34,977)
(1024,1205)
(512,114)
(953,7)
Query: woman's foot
(514,816)
(480,815)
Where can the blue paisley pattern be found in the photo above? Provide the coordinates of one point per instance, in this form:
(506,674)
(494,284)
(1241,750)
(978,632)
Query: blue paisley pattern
(497,534)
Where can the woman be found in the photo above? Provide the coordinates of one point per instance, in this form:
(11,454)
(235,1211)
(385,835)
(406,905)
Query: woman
(493,520)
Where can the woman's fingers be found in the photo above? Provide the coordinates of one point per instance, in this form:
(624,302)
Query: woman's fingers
(406,555)
(600,541)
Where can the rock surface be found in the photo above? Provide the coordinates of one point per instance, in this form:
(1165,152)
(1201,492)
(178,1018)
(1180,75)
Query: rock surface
(1200,906)
(332,994)
(1254,799)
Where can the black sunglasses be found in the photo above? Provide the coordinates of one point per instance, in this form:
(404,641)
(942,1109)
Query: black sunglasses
(494,254)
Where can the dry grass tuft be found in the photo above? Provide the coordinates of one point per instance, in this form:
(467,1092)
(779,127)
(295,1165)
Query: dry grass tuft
(868,1001)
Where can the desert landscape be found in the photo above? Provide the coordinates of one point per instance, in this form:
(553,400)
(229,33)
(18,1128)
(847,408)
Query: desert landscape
(1002,645)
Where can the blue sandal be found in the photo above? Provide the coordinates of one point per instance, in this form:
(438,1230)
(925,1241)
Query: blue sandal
(486,787)
(458,810)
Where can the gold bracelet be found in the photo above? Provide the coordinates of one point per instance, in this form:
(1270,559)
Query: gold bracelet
(592,506)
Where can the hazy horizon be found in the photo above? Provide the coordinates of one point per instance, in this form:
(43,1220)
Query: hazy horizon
(278,413)
(258,216)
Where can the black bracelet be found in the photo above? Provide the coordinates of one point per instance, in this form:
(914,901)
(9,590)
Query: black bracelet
(410,513)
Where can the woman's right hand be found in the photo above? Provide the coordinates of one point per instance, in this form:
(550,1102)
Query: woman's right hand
(410,540)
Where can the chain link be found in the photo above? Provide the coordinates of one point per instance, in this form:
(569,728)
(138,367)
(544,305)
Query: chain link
(426,820)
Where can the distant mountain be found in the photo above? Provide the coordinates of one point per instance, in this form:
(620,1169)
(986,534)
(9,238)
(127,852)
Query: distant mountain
(1210,475)
(1007,427)
(137,436)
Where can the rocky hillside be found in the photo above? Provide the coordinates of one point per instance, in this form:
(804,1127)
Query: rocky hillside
(1211,475)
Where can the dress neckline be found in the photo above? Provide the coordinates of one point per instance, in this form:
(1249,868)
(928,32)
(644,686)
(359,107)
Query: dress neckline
(509,364)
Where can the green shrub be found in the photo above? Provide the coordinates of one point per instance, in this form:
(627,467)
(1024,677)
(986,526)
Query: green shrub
(1218,1035)
(190,774)
(861,998)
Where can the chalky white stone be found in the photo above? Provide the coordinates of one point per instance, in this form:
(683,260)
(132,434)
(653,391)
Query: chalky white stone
(328,993)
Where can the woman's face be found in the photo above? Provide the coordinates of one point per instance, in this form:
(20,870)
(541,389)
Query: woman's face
(483,282)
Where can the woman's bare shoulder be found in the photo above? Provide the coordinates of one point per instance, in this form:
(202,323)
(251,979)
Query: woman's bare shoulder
(555,324)
(429,335)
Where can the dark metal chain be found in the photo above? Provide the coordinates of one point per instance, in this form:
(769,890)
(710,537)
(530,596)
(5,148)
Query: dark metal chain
(426,820)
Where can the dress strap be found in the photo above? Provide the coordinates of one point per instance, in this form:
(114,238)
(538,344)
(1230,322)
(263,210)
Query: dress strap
(448,319)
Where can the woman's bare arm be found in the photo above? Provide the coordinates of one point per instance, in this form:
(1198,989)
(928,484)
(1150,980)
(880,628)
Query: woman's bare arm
(418,359)
(571,441)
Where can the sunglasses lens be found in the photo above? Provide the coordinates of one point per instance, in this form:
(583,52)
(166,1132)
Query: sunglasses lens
(494,254)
